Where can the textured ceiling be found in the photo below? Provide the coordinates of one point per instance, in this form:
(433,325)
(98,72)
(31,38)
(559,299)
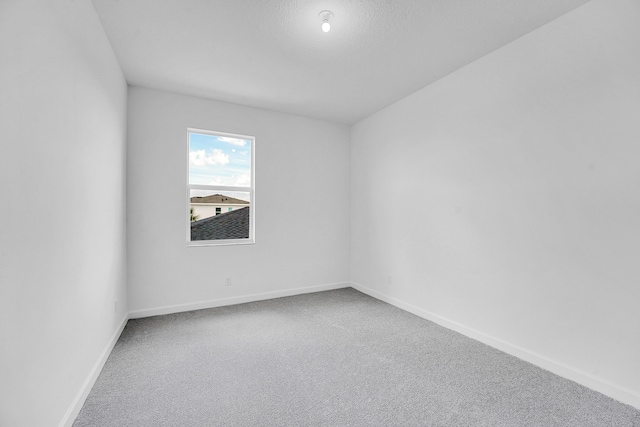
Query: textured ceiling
(272,53)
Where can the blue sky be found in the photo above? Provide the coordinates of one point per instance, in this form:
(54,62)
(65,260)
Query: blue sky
(218,160)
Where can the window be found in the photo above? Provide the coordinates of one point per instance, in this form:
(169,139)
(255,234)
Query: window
(220,188)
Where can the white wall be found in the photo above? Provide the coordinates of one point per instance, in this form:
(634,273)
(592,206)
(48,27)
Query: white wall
(522,176)
(62,146)
(297,159)
(202,211)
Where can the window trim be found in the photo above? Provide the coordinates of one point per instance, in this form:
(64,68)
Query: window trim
(251,190)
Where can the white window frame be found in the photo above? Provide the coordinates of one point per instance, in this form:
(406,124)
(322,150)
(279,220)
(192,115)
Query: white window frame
(251,190)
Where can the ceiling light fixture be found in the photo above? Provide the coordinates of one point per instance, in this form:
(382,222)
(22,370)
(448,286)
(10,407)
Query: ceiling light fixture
(324,16)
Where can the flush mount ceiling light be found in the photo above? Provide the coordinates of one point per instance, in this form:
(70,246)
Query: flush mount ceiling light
(324,16)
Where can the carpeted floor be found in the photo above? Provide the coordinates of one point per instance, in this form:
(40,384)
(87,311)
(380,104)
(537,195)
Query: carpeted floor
(335,358)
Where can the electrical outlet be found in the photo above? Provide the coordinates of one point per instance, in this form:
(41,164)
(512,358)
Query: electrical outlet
(227,281)
(115,306)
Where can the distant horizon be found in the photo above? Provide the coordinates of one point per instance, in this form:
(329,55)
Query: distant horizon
(216,193)
(240,195)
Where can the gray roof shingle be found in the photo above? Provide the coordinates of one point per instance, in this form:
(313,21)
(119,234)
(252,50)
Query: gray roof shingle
(229,225)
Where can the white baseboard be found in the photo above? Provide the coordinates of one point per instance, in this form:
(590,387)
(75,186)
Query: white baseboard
(76,405)
(600,385)
(593,382)
(234,300)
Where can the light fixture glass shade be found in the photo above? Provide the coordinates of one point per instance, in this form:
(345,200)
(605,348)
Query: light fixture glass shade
(325,16)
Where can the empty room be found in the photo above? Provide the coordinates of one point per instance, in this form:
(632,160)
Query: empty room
(319,213)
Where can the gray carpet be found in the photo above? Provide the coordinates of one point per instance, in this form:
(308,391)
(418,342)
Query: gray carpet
(336,358)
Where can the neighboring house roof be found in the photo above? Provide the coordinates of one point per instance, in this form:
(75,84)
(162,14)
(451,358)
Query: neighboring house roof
(229,225)
(219,199)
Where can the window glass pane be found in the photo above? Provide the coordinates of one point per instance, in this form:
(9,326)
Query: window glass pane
(219,160)
(219,215)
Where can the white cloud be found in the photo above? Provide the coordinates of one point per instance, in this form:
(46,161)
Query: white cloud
(233,141)
(217,181)
(242,181)
(232,181)
(200,158)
